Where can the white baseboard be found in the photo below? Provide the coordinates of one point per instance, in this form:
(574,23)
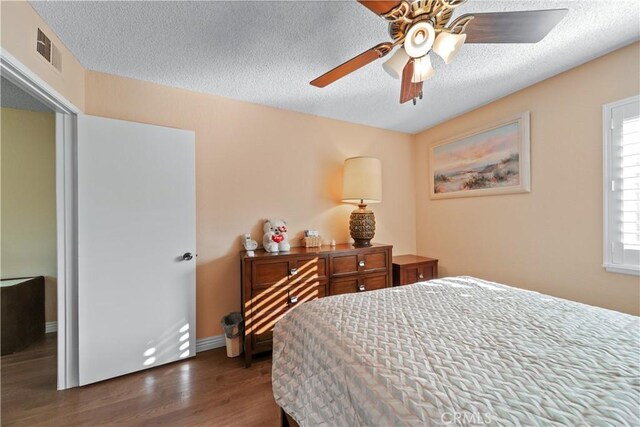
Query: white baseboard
(50,327)
(201,345)
(210,343)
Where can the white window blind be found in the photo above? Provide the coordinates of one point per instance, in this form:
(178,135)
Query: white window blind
(621,133)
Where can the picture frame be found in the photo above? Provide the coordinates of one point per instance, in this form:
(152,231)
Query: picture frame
(491,160)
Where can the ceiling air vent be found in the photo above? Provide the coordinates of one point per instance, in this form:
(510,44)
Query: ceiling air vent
(48,50)
(56,58)
(44,45)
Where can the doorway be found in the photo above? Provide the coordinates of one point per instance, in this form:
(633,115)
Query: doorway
(28,251)
(145,175)
(61,287)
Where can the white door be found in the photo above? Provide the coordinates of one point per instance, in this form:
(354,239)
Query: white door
(136,227)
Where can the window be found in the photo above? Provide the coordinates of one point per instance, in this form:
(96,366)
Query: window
(621,154)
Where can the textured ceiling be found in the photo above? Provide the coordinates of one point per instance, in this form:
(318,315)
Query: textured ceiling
(11,96)
(266,52)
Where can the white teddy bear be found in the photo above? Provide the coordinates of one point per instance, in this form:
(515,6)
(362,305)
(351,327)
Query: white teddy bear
(275,236)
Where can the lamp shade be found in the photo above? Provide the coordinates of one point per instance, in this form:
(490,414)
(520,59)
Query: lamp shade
(447,45)
(422,69)
(396,63)
(362,180)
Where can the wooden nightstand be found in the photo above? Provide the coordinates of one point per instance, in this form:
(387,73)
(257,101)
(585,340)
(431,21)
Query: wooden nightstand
(408,269)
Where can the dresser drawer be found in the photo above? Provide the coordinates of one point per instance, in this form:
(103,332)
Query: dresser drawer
(375,262)
(347,285)
(344,265)
(365,262)
(265,274)
(308,269)
(409,275)
(307,291)
(419,274)
(409,269)
(267,307)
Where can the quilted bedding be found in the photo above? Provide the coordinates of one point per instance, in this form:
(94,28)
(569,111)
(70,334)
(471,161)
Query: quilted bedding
(456,351)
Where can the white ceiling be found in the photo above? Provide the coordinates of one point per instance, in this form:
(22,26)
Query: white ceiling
(11,96)
(266,52)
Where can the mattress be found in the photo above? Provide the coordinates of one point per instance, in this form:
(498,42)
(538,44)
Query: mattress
(456,350)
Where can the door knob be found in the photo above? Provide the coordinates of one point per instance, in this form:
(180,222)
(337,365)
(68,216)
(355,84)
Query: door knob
(188,256)
(361,287)
(361,263)
(293,299)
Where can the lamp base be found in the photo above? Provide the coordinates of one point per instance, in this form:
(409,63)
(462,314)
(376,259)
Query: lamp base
(362,226)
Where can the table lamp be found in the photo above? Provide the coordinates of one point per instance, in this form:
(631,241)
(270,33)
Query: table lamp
(362,184)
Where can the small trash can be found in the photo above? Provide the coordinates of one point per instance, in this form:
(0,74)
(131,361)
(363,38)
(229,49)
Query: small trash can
(233,325)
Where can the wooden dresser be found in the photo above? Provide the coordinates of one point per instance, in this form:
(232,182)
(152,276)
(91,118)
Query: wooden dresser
(273,283)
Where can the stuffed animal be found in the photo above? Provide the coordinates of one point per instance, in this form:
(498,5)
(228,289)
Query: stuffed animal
(275,236)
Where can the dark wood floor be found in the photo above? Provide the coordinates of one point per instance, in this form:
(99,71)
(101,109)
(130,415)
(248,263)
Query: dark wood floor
(209,389)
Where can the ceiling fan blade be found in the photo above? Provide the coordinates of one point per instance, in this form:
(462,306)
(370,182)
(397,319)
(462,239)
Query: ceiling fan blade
(379,7)
(352,65)
(529,26)
(409,90)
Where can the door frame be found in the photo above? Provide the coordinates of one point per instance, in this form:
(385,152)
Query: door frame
(66,213)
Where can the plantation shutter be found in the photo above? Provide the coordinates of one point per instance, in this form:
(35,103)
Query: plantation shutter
(622,197)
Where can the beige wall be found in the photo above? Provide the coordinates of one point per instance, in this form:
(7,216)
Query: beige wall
(549,240)
(18,35)
(254,162)
(28,201)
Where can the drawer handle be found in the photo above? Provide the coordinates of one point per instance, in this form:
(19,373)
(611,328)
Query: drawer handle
(421,276)
(293,271)
(293,299)
(361,287)
(361,263)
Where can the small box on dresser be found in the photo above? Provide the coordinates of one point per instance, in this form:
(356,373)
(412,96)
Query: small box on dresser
(273,283)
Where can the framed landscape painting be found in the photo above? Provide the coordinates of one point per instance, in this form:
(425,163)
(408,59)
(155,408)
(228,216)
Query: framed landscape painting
(493,160)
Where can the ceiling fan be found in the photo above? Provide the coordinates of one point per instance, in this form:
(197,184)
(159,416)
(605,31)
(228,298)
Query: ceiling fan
(419,27)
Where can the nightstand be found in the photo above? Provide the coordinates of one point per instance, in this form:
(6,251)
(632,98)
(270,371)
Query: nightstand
(408,269)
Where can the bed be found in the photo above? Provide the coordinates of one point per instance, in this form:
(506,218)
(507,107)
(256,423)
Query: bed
(22,315)
(457,350)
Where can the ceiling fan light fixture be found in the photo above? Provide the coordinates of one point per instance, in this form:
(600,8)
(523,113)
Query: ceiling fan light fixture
(447,45)
(422,69)
(396,63)
(419,39)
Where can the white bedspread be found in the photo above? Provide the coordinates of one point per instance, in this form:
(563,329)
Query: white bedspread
(456,350)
